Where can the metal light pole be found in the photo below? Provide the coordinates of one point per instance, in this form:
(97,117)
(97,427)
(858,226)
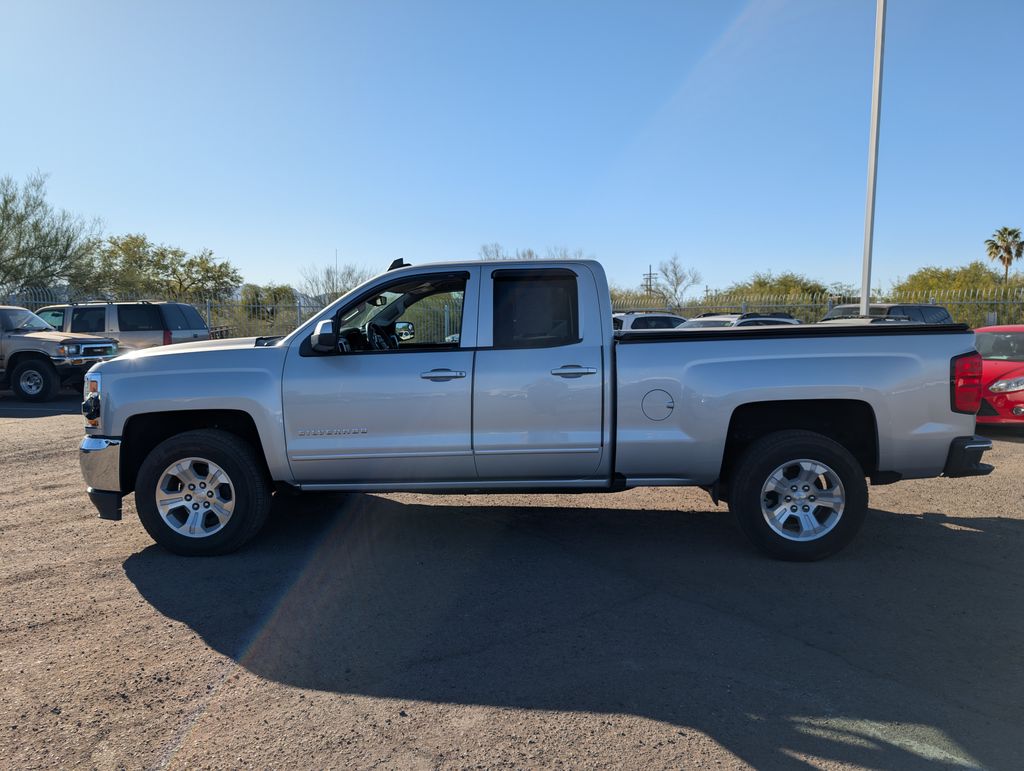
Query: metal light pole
(876,109)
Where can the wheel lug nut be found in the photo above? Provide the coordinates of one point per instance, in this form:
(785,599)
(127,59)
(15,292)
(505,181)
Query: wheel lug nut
(788,498)
(209,494)
(206,505)
(195,505)
(806,488)
(811,498)
(793,488)
(188,497)
(193,487)
(202,485)
(807,508)
(792,508)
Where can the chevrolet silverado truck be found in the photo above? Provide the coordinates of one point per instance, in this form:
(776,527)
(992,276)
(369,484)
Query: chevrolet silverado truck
(500,376)
(36,360)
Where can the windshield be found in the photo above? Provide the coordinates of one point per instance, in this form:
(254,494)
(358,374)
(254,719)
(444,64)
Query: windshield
(1000,346)
(15,319)
(706,323)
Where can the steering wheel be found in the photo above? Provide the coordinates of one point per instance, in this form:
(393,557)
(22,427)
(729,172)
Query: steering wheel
(378,339)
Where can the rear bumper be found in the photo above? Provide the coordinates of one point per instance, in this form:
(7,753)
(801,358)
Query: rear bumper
(964,458)
(100,460)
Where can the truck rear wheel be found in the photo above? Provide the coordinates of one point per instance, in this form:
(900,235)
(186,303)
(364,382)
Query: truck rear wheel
(202,493)
(34,380)
(798,495)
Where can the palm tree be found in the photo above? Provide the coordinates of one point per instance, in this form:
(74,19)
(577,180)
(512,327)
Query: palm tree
(1005,246)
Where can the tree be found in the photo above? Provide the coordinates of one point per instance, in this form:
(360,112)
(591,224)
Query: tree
(39,245)
(976,275)
(496,251)
(1005,246)
(264,302)
(786,283)
(326,283)
(675,280)
(201,275)
(132,266)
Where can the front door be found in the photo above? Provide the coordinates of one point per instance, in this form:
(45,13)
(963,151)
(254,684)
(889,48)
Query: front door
(394,404)
(537,405)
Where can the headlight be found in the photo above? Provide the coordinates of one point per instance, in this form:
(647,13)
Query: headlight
(91,398)
(67,350)
(1007,386)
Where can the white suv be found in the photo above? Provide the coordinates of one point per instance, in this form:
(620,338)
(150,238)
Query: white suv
(740,320)
(641,320)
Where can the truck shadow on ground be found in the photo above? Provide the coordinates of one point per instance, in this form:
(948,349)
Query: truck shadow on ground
(659,614)
(67,402)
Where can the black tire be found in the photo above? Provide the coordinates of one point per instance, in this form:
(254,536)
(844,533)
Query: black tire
(751,474)
(38,371)
(249,486)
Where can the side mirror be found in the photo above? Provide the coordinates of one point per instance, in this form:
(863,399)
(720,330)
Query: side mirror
(324,339)
(405,330)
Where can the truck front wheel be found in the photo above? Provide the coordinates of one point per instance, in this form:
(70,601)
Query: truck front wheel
(798,495)
(202,493)
(34,380)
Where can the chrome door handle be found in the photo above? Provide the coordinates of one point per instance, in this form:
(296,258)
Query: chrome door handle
(442,374)
(573,370)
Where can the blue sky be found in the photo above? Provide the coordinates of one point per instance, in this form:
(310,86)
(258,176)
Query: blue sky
(731,133)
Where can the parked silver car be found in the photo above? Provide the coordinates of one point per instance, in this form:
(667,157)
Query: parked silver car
(134,325)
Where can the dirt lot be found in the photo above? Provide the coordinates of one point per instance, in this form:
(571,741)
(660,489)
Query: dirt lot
(635,629)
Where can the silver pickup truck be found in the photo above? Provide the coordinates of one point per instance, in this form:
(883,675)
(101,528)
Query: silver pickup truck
(498,376)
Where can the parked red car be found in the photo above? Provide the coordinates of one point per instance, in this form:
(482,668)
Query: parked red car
(1002,373)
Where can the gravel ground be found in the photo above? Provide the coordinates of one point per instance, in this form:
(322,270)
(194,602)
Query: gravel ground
(407,631)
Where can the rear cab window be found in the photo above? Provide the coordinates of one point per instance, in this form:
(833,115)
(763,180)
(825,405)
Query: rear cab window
(535,308)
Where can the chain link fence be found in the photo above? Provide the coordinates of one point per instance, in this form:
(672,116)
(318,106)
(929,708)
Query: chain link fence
(234,318)
(974,307)
(434,320)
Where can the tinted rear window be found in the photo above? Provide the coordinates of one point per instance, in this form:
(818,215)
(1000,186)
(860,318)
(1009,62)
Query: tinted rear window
(937,315)
(192,317)
(89,320)
(139,318)
(532,310)
(174,317)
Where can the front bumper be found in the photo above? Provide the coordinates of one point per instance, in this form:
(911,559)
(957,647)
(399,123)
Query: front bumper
(964,458)
(73,368)
(1002,408)
(100,460)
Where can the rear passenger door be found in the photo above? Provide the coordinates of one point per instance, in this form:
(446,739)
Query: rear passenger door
(539,374)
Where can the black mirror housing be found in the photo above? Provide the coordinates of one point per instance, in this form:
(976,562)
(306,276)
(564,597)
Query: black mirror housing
(324,339)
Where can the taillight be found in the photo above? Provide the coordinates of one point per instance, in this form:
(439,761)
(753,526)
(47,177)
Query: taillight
(167,337)
(965,383)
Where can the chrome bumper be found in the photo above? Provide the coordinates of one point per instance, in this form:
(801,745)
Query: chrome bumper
(100,459)
(80,361)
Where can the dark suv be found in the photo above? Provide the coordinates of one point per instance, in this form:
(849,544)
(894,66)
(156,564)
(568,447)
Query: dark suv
(923,313)
(133,324)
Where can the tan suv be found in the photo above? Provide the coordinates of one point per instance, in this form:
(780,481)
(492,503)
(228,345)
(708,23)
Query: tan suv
(36,359)
(133,324)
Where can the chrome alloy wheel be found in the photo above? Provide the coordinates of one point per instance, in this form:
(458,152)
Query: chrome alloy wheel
(195,497)
(31,382)
(802,500)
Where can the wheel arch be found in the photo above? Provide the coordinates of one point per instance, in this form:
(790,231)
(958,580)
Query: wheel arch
(849,422)
(145,431)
